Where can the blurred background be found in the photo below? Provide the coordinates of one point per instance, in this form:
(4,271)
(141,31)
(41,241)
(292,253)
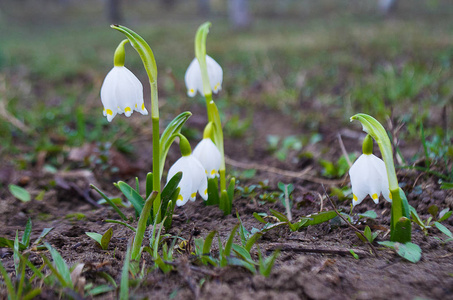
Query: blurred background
(306,64)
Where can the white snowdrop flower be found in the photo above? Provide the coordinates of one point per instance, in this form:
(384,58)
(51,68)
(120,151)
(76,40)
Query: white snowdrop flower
(193,179)
(369,177)
(194,81)
(122,92)
(209,156)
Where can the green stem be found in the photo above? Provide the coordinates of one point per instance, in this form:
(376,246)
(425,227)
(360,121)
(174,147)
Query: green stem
(141,227)
(156,168)
(214,117)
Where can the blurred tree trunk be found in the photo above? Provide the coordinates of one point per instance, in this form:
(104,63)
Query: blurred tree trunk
(387,6)
(114,12)
(239,13)
(204,7)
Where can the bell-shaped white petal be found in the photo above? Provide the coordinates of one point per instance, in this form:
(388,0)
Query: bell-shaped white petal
(209,156)
(193,179)
(194,81)
(369,177)
(122,92)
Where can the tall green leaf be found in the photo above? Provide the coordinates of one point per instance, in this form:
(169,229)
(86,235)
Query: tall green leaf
(169,135)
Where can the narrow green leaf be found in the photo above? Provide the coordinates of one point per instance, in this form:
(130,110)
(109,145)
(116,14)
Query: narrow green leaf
(95,236)
(446,185)
(252,240)
(137,185)
(230,189)
(370,214)
(110,202)
(121,223)
(227,250)
(19,192)
(237,261)
(168,191)
(100,289)
(43,234)
(149,184)
(132,195)
(61,266)
(363,239)
(32,294)
(213,192)
(319,218)
(124,285)
(16,253)
(225,204)
(265,266)
(27,233)
(6,243)
(259,218)
(415,217)
(243,253)
(354,254)
(367,233)
(105,240)
(281,217)
(169,135)
(443,229)
(208,242)
(445,214)
(8,282)
(168,218)
(107,278)
(141,226)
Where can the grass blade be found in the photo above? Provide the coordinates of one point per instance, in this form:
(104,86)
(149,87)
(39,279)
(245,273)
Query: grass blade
(124,285)
(8,282)
(27,233)
(61,266)
(113,205)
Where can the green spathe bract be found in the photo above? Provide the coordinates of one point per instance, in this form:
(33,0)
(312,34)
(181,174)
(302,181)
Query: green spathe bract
(399,231)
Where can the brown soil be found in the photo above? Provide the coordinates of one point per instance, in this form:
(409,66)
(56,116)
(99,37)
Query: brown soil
(314,263)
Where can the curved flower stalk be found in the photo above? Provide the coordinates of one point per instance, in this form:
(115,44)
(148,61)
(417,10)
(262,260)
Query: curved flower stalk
(147,56)
(400,227)
(155,198)
(121,91)
(194,82)
(210,72)
(368,176)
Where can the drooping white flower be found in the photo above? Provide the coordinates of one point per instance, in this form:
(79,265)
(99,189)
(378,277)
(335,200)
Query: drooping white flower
(369,177)
(193,179)
(209,156)
(122,92)
(193,79)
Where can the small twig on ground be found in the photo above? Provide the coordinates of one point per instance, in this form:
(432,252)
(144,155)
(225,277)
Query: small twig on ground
(301,175)
(11,119)
(350,225)
(343,149)
(298,248)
